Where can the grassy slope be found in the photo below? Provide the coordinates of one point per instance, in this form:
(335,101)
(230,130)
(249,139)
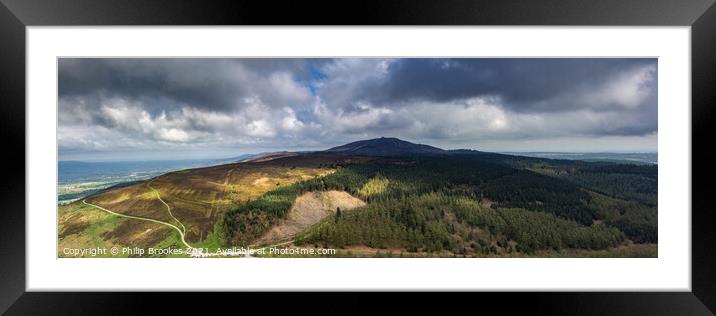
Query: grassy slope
(198,198)
(81,226)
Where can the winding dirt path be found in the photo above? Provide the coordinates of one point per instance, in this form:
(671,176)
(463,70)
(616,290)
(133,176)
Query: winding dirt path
(169,209)
(182,230)
(181,233)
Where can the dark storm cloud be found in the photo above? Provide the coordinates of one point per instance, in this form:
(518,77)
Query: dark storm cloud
(523,84)
(150,103)
(626,88)
(214,84)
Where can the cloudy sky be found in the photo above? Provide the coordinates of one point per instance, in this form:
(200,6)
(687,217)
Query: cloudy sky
(124,109)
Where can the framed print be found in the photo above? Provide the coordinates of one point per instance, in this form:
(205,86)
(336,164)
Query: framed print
(399,147)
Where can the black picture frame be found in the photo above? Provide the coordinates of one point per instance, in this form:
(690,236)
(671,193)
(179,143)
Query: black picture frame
(700,15)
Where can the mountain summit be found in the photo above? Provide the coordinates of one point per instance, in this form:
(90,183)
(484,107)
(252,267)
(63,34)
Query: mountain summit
(384,146)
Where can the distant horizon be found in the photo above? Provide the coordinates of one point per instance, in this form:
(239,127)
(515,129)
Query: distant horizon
(226,157)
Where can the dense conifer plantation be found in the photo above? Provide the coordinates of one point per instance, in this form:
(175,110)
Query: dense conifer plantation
(469,204)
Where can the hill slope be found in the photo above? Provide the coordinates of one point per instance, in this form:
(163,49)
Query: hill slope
(419,199)
(384,146)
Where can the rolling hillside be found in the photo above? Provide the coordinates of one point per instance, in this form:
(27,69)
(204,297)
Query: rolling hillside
(412,199)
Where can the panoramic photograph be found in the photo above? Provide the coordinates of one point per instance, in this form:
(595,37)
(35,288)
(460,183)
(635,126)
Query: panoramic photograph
(357,158)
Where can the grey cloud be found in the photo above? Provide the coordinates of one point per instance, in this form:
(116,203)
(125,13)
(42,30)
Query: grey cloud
(213,84)
(294,103)
(518,85)
(523,84)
